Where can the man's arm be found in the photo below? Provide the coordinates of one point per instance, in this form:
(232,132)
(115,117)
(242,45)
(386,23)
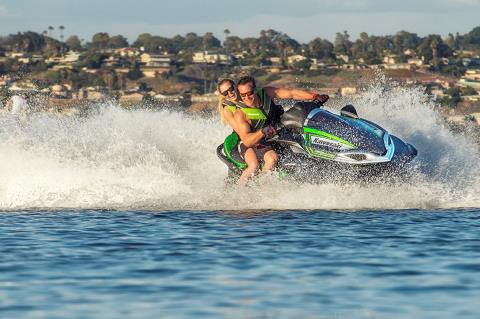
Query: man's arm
(287,93)
(244,130)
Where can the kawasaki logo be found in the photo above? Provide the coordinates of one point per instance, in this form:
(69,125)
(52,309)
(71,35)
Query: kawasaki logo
(317,140)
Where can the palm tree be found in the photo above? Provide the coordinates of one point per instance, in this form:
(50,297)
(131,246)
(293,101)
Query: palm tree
(226,32)
(50,29)
(61,31)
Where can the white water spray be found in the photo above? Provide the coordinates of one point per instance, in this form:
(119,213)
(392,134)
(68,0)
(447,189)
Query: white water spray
(165,160)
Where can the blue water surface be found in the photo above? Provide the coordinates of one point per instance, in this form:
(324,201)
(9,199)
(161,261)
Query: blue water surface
(265,264)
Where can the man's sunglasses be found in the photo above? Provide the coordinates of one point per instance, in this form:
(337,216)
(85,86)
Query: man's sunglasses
(248,94)
(230,89)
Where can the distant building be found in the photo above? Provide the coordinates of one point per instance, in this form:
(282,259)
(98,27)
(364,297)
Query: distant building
(342,57)
(468,83)
(472,74)
(156,60)
(127,52)
(295,58)
(70,57)
(240,55)
(415,61)
(409,52)
(16,55)
(211,58)
(398,66)
(275,60)
(470,79)
(391,59)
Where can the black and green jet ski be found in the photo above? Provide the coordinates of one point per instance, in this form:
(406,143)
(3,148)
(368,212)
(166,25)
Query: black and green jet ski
(317,145)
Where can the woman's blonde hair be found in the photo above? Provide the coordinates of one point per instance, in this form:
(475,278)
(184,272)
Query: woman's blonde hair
(221,99)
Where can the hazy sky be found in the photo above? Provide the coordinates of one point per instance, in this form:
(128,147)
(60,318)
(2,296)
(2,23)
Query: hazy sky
(300,19)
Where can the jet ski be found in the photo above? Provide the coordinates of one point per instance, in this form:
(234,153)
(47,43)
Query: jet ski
(316,145)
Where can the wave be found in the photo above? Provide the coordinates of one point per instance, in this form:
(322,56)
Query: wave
(165,160)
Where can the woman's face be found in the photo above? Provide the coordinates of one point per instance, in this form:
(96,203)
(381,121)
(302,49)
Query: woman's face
(228,90)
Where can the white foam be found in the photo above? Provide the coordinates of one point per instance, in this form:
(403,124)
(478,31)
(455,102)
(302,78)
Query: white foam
(165,160)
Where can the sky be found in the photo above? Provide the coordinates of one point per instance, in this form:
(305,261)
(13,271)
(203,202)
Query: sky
(302,20)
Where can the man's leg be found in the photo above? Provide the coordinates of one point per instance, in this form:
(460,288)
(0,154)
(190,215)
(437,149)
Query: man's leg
(252,161)
(271,159)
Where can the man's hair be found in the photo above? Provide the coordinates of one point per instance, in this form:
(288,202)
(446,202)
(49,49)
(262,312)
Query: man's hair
(226,80)
(245,80)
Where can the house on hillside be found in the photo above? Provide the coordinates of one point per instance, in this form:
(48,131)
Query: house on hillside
(391,59)
(470,79)
(71,57)
(345,58)
(415,61)
(127,52)
(155,64)
(295,58)
(409,53)
(211,57)
(275,60)
(156,60)
(472,74)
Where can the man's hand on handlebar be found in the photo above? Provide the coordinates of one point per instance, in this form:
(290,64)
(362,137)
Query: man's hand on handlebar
(269,131)
(320,99)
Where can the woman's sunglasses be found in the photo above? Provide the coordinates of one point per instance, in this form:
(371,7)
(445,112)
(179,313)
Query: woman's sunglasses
(230,89)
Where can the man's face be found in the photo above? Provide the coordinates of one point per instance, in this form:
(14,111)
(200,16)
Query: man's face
(247,93)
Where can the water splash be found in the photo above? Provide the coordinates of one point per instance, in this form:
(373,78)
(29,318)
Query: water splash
(163,160)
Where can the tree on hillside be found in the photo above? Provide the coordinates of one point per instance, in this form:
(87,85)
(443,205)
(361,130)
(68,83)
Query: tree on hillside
(192,42)
(53,47)
(342,43)
(321,49)
(50,30)
(100,40)
(142,39)
(117,41)
(404,40)
(252,45)
(74,43)
(433,48)
(234,44)
(210,42)
(472,39)
(92,60)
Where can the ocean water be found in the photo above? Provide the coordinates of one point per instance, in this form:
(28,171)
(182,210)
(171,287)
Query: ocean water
(240,264)
(125,214)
